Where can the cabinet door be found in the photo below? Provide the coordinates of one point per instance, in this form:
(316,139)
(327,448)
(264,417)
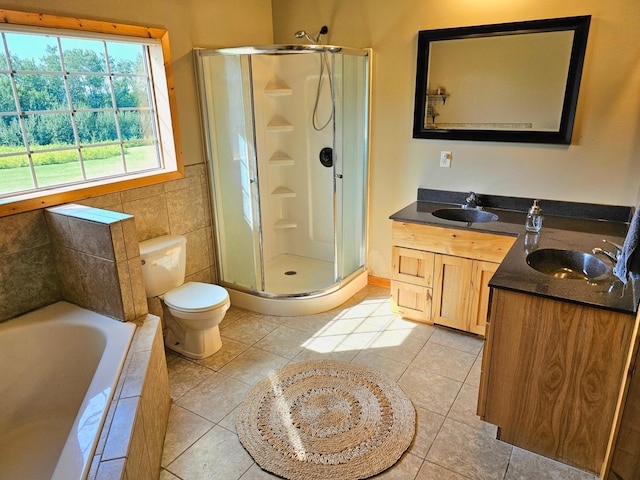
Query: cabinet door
(412,266)
(554,374)
(480,293)
(452,278)
(623,459)
(411,301)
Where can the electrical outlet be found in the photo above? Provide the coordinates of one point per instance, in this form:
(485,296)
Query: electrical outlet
(445,159)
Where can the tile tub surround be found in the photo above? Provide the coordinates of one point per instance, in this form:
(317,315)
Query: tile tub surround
(98,260)
(130,446)
(28,275)
(438,368)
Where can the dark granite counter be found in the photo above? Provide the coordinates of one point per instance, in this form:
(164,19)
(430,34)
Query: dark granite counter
(582,233)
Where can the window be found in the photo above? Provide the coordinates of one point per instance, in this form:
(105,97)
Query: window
(82,111)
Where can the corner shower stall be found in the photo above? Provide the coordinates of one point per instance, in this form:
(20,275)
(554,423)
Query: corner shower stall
(286,131)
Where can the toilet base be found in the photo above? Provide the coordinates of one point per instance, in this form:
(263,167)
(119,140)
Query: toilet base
(196,344)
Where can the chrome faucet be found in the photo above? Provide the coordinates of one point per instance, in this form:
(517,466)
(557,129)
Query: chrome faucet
(613,256)
(472,201)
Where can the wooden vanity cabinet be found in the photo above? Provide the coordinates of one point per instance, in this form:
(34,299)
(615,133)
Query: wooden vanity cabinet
(412,282)
(551,373)
(440,275)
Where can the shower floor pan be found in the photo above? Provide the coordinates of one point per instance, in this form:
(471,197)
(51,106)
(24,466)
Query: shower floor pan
(291,274)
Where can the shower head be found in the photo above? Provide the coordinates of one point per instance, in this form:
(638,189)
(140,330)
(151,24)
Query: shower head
(314,41)
(303,34)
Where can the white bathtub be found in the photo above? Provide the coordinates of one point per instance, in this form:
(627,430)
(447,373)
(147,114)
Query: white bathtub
(59,367)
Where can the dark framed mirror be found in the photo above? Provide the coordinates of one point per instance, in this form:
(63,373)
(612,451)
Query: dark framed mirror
(509,82)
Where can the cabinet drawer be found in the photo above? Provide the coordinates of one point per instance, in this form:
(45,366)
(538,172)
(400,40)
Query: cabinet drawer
(411,301)
(413,266)
(483,246)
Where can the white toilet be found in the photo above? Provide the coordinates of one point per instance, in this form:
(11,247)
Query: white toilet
(197,308)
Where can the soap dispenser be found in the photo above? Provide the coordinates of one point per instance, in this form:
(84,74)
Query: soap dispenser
(534,218)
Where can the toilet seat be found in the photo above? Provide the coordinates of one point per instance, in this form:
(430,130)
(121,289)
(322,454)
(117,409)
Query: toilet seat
(195,297)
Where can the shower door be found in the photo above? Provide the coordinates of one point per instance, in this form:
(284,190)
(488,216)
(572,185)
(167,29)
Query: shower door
(225,87)
(351,79)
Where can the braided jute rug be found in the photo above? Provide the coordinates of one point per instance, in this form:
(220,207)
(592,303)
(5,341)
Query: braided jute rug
(326,420)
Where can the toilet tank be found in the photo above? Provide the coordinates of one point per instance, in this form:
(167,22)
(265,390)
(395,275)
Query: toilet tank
(163,263)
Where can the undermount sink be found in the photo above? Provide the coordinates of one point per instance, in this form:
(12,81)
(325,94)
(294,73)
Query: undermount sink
(569,264)
(469,215)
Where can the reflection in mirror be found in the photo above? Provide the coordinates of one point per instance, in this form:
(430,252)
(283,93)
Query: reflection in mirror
(508,82)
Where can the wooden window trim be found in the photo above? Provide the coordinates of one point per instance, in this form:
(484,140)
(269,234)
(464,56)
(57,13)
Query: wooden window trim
(41,199)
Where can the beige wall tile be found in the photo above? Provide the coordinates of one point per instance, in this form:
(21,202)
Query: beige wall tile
(71,271)
(59,229)
(203,276)
(23,232)
(126,295)
(138,293)
(142,192)
(186,210)
(103,287)
(28,280)
(197,251)
(182,183)
(111,201)
(117,241)
(151,216)
(91,237)
(130,237)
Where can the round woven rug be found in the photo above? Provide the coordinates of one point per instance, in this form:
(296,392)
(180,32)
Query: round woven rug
(326,420)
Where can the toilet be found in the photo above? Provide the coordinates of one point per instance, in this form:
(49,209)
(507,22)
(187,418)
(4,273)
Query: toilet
(196,308)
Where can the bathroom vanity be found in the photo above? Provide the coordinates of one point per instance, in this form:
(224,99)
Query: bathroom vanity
(559,353)
(440,275)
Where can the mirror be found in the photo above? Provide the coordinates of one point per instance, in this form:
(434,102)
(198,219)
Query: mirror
(510,82)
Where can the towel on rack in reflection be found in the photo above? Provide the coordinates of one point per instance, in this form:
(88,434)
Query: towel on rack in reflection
(628,263)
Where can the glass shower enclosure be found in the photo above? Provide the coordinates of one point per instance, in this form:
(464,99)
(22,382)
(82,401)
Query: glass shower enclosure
(286,130)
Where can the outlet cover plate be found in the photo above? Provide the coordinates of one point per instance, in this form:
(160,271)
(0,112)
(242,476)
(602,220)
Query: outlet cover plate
(445,159)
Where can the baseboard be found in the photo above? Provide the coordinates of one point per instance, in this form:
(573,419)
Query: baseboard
(379,281)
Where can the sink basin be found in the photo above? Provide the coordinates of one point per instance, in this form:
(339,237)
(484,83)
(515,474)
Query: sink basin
(470,215)
(567,264)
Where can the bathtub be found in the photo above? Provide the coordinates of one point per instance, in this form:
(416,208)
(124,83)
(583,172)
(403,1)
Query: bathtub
(60,365)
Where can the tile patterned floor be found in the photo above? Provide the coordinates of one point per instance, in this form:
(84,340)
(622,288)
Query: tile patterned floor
(439,369)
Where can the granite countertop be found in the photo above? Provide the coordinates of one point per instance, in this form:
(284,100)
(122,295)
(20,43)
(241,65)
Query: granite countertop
(561,232)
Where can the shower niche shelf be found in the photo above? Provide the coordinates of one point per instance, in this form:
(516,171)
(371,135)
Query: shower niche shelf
(277,89)
(280,159)
(283,224)
(283,192)
(279,124)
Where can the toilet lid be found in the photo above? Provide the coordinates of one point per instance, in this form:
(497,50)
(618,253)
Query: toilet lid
(196,297)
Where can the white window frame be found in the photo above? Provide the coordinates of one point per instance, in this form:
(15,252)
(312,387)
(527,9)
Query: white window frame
(172,166)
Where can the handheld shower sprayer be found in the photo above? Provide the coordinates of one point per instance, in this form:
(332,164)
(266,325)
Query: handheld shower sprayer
(325,65)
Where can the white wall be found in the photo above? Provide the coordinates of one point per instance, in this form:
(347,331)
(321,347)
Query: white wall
(602,165)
